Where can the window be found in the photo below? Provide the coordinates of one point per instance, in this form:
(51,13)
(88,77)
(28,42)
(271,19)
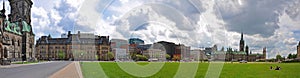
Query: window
(13,42)
(18,42)
(30,45)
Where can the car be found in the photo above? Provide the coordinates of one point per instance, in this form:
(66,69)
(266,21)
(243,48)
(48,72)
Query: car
(243,61)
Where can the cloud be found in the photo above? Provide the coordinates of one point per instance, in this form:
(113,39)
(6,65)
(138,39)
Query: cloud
(253,17)
(267,23)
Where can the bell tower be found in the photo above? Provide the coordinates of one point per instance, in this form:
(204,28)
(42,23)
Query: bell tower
(20,10)
(242,43)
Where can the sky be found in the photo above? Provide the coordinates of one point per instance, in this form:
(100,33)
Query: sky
(274,24)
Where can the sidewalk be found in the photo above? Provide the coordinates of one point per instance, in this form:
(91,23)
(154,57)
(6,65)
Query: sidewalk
(17,65)
(72,70)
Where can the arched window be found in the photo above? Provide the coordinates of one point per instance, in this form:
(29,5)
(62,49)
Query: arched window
(18,42)
(5,53)
(13,42)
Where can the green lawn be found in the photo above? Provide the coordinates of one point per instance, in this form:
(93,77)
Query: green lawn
(230,70)
(24,62)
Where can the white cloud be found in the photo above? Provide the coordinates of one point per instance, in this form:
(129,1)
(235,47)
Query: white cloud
(265,23)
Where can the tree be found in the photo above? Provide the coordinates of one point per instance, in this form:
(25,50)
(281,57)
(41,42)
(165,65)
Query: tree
(294,56)
(141,57)
(110,55)
(278,57)
(168,57)
(176,58)
(61,54)
(290,56)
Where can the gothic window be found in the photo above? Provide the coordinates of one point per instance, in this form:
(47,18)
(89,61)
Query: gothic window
(18,42)
(13,42)
(5,53)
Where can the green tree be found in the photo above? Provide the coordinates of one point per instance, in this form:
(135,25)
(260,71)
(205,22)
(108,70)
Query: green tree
(294,56)
(141,57)
(290,56)
(168,57)
(61,54)
(110,55)
(278,57)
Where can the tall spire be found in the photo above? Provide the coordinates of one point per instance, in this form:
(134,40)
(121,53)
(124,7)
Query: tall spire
(242,36)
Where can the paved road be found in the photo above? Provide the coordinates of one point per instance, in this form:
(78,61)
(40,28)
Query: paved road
(43,70)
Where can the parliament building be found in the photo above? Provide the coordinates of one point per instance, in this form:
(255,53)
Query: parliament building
(80,46)
(16,35)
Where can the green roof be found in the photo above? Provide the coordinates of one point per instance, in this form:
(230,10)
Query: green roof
(16,27)
(26,27)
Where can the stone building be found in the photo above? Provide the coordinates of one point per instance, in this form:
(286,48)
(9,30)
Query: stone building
(16,35)
(119,48)
(242,43)
(80,46)
(235,55)
(198,55)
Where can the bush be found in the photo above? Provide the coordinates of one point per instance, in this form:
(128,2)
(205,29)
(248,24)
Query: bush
(141,58)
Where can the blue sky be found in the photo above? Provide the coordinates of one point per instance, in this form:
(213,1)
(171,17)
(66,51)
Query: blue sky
(265,23)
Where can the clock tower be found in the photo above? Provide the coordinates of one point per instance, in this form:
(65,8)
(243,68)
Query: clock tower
(242,43)
(20,10)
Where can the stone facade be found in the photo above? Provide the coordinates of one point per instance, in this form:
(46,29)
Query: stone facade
(264,53)
(16,35)
(81,46)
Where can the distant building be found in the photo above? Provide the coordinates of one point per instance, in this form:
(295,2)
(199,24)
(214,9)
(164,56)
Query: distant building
(156,52)
(136,41)
(183,51)
(264,53)
(230,55)
(16,35)
(242,43)
(133,43)
(80,46)
(119,47)
(169,47)
(198,55)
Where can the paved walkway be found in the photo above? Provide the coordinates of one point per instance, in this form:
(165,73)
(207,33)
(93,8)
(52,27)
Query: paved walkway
(40,70)
(18,65)
(72,70)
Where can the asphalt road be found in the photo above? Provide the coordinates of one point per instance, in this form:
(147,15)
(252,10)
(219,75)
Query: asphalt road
(43,70)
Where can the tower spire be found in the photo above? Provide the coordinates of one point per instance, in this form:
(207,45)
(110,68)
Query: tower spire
(242,36)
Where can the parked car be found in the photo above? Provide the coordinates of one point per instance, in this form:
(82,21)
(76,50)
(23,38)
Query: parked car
(243,61)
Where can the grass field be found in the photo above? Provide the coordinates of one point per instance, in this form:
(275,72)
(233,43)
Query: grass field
(230,70)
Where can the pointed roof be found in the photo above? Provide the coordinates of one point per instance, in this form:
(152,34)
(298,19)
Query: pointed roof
(242,35)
